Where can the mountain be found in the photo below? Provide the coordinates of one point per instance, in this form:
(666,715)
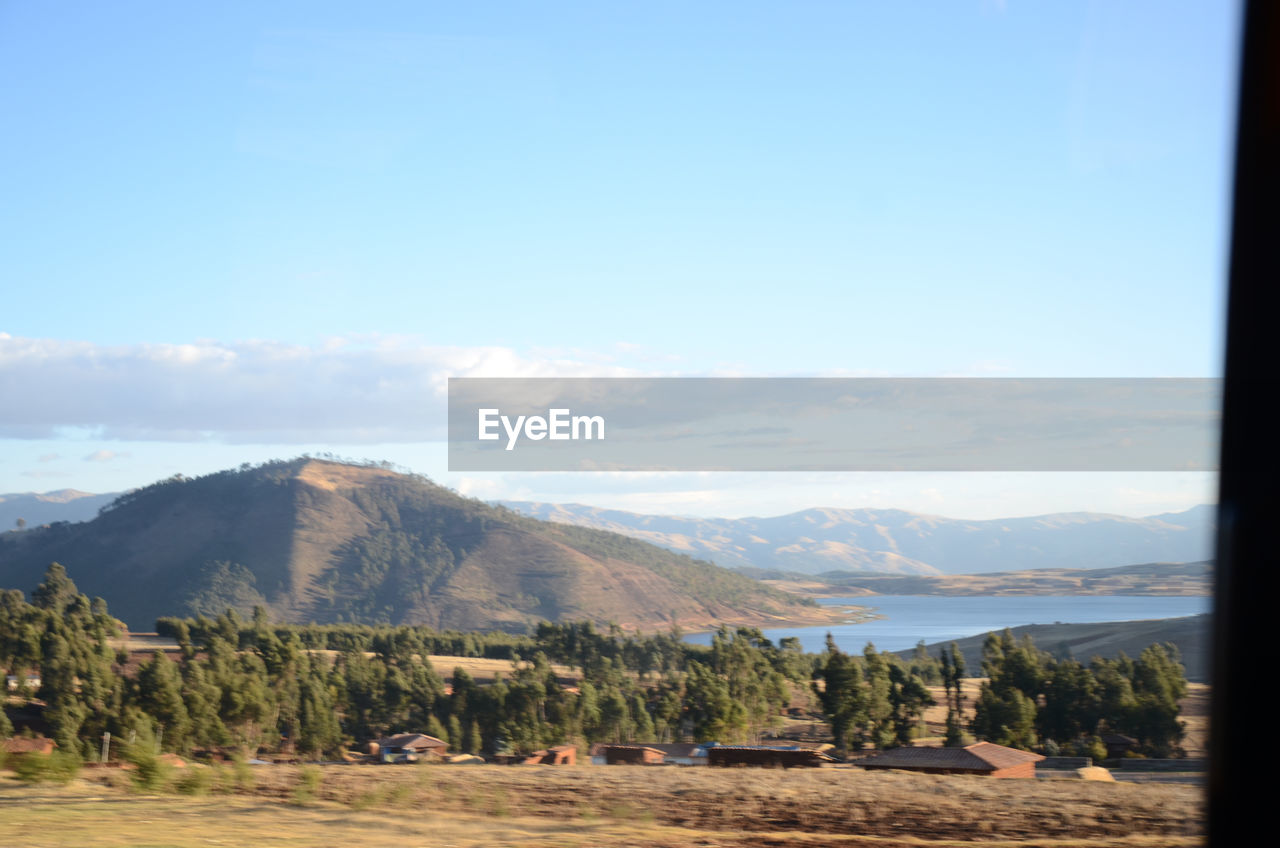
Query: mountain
(898,542)
(326,542)
(62,505)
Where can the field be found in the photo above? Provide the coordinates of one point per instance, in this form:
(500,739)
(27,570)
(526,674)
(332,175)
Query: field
(595,805)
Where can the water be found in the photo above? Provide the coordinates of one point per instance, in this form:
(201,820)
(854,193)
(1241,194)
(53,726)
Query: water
(934,618)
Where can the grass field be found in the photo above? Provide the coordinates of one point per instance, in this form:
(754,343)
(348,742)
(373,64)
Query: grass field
(595,805)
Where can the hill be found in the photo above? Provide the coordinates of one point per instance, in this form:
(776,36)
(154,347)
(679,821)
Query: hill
(1105,639)
(324,542)
(48,507)
(894,541)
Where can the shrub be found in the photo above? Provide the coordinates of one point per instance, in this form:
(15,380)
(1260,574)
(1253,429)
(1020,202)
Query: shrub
(242,774)
(308,783)
(58,767)
(195,781)
(150,773)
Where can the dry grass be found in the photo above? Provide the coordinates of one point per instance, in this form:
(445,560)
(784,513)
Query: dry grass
(665,806)
(1195,712)
(91,816)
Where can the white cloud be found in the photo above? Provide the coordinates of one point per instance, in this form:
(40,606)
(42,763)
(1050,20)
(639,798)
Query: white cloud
(342,391)
(106,455)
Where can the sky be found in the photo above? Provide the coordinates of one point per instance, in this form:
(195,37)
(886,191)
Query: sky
(238,231)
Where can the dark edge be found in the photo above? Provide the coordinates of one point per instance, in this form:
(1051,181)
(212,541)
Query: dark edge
(1248,508)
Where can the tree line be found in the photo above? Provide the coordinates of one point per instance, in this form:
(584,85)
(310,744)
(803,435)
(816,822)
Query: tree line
(251,684)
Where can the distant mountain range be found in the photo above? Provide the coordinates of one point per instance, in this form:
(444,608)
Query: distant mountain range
(898,542)
(317,541)
(62,505)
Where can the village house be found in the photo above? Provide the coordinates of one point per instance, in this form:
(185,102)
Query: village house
(672,753)
(408,748)
(766,757)
(1118,745)
(981,758)
(626,755)
(681,753)
(30,679)
(559,755)
(23,746)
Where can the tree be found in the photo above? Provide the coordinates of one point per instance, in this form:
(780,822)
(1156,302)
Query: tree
(159,695)
(880,727)
(1071,706)
(318,729)
(715,715)
(1159,683)
(841,694)
(56,592)
(908,698)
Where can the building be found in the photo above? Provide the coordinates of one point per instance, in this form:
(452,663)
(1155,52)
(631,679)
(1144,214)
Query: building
(626,755)
(1118,745)
(766,757)
(409,747)
(673,754)
(559,755)
(681,753)
(982,758)
(30,679)
(20,746)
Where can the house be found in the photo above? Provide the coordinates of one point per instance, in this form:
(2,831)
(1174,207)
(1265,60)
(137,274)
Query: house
(23,746)
(766,757)
(560,755)
(983,758)
(681,753)
(1118,745)
(408,748)
(31,680)
(673,753)
(626,755)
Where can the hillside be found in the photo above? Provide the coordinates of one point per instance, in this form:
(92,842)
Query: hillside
(1153,578)
(323,541)
(895,541)
(48,507)
(1106,639)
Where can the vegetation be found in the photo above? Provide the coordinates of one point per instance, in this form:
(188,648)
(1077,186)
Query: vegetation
(1031,698)
(674,808)
(251,685)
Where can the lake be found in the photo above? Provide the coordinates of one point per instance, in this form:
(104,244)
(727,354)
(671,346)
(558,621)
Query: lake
(935,618)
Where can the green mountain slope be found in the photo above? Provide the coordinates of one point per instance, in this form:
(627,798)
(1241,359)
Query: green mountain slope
(324,541)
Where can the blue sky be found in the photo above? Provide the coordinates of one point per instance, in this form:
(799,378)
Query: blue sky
(319,211)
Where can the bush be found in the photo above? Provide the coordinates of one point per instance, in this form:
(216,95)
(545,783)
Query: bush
(308,784)
(58,767)
(242,774)
(150,773)
(195,780)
